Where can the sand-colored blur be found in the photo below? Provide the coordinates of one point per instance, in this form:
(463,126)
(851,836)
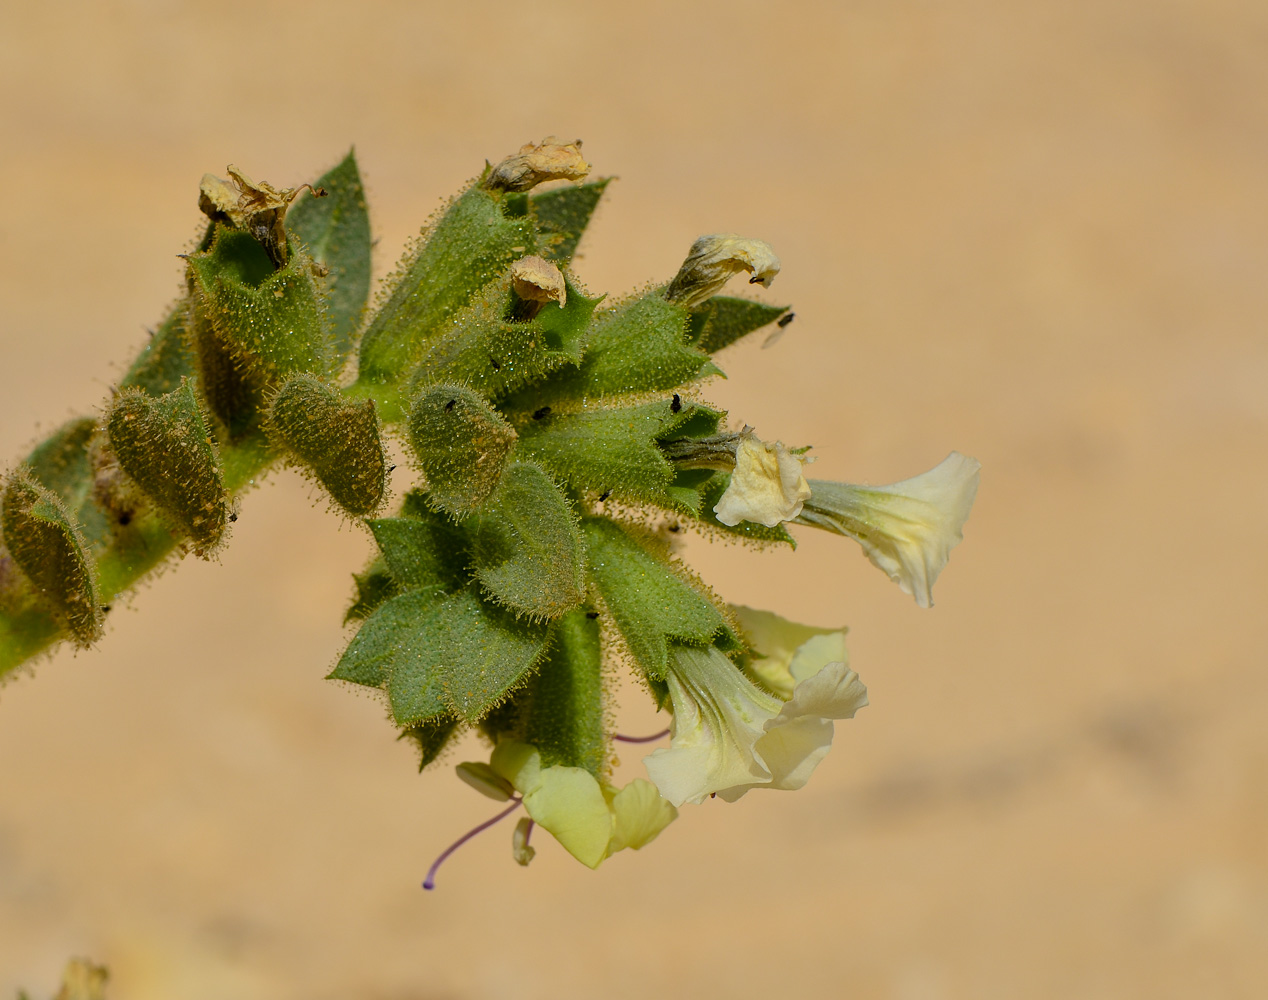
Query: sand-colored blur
(1033,232)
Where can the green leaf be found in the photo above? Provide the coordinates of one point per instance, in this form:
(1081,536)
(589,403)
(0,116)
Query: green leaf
(43,538)
(166,359)
(431,738)
(438,654)
(422,551)
(650,599)
(164,445)
(614,450)
(336,231)
(525,547)
(462,444)
(472,244)
(375,585)
(394,634)
(338,439)
(637,346)
(562,216)
(61,463)
(486,653)
(495,355)
(723,320)
(561,709)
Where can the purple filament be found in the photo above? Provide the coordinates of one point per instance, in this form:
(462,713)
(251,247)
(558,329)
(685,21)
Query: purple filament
(641,739)
(430,881)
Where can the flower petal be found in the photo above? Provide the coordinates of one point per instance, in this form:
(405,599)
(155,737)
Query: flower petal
(906,529)
(568,803)
(800,736)
(519,763)
(640,813)
(718,716)
(767,486)
(785,652)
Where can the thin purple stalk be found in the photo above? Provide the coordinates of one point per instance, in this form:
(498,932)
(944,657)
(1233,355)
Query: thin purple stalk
(430,881)
(641,739)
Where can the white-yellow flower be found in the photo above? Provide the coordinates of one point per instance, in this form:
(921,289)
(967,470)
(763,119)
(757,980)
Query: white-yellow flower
(591,821)
(730,735)
(713,260)
(907,529)
(767,486)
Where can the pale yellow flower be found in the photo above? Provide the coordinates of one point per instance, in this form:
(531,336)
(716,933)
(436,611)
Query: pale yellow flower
(906,529)
(591,821)
(729,735)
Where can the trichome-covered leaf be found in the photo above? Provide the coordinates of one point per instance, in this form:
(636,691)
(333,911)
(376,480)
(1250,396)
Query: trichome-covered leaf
(650,600)
(336,231)
(562,216)
(44,540)
(166,359)
(431,738)
(166,448)
(472,244)
(337,438)
(375,585)
(525,547)
(425,550)
(61,462)
(438,654)
(462,443)
(614,450)
(723,320)
(488,350)
(637,346)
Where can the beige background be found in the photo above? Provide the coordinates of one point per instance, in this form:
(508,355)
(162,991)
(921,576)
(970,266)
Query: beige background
(1033,232)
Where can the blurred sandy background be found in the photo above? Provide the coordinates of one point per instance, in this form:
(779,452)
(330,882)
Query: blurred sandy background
(1034,232)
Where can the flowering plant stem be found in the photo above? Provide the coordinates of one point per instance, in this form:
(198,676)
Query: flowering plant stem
(560,443)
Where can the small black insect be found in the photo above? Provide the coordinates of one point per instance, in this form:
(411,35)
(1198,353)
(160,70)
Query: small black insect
(538,414)
(105,608)
(233,517)
(604,495)
(785,319)
(449,406)
(496,366)
(125,518)
(676,405)
(592,615)
(675,527)
(391,468)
